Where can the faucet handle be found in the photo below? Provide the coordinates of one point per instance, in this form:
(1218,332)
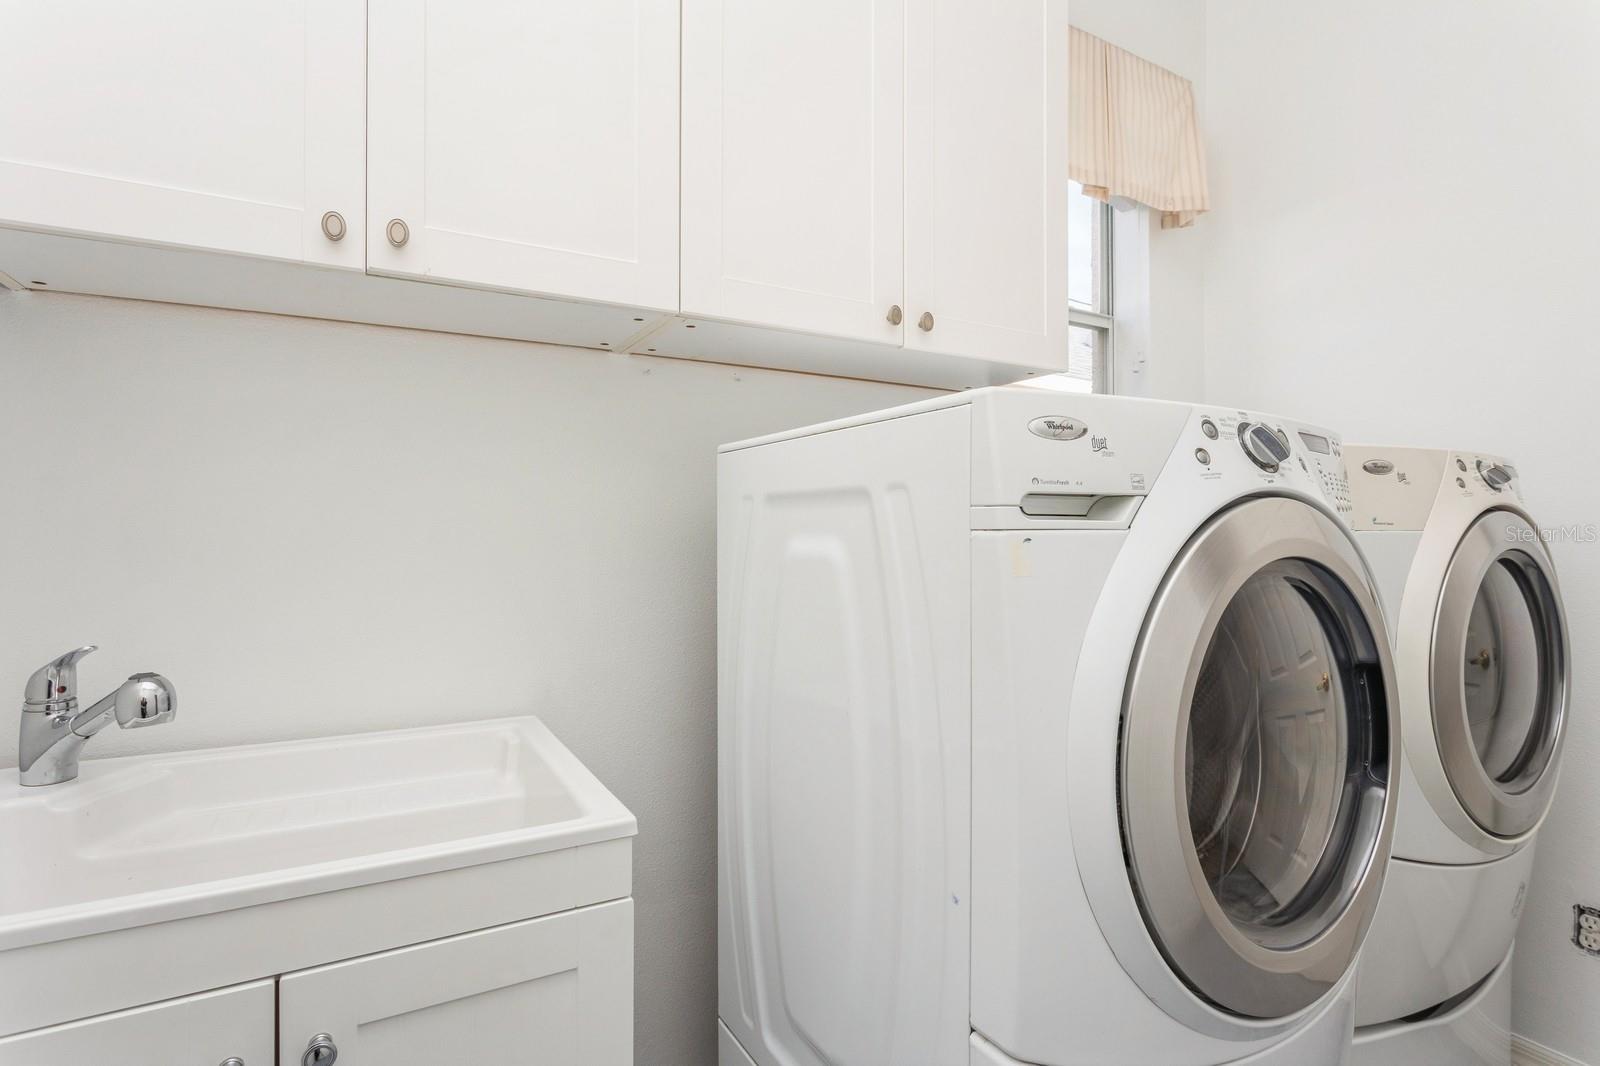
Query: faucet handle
(56,682)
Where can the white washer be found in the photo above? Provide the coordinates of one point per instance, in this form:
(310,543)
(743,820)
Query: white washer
(1052,729)
(1482,663)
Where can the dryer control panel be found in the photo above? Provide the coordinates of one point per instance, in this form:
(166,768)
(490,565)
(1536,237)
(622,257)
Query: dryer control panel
(1399,488)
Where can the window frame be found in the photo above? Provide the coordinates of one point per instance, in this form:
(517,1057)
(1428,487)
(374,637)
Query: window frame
(1102,319)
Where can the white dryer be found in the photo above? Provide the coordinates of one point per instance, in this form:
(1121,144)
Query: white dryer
(1052,729)
(1482,663)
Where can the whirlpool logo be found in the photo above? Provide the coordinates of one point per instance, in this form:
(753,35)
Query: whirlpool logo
(1057,427)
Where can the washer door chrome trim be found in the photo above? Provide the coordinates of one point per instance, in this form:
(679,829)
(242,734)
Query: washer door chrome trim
(1503,808)
(1265,972)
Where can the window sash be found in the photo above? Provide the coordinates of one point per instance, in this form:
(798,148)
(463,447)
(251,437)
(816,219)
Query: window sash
(1105,305)
(1101,319)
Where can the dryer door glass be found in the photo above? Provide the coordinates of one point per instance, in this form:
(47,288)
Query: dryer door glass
(1255,752)
(1500,674)
(1504,705)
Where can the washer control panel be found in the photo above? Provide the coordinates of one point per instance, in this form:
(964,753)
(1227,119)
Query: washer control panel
(1277,450)
(1267,448)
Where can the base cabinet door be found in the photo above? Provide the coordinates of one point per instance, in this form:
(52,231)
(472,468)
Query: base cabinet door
(205,1030)
(554,991)
(527,147)
(237,127)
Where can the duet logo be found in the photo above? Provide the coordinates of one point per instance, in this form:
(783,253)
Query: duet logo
(1057,427)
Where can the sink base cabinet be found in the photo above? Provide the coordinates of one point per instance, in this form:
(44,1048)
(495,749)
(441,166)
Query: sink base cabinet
(201,1030)
(122,968)
(556,990)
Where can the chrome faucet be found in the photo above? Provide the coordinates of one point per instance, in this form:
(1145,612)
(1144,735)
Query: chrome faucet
(54,731)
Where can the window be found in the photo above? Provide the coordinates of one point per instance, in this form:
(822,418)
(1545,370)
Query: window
(1091,325)
(1089,306)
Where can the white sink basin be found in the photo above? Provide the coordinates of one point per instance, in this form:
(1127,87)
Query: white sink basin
(159,837)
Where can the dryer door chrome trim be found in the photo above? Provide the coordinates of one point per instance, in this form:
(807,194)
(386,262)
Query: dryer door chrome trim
(1500,595)
(1255,755)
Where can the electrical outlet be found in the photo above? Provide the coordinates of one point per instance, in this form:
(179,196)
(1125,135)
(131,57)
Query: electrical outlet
(1586,928)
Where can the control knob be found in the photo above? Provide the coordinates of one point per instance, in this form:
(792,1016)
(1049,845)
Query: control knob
(1494,475)
(1265,448)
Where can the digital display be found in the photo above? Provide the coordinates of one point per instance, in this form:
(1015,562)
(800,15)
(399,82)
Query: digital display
(1316,443)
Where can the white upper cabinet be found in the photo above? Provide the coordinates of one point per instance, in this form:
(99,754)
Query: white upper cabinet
(871,188)
(885,170)
(528,147)
(793,119)
(229,126)
(986,179)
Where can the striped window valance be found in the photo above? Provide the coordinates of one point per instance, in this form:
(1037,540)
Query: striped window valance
(1133,133)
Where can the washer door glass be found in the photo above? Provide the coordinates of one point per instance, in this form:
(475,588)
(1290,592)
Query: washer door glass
(1269,746)
(1500,674)
(1256,734)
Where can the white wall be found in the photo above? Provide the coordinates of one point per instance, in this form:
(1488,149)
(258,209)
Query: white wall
(316,528)
(1405,245)
(1159,275)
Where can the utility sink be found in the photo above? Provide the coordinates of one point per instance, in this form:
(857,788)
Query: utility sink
(155,838)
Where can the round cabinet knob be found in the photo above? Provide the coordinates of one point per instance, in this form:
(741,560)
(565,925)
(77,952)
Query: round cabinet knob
(398,232)
(895,316)
(925,323)
(233,1061)
(333,226)
(322,1051)
(1494,475)
(1265,448)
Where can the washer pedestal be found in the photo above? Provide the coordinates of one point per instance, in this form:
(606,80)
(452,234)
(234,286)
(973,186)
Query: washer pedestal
(1323,1041)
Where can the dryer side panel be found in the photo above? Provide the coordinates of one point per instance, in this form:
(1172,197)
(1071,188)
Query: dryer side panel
(1389,553)
(844,744)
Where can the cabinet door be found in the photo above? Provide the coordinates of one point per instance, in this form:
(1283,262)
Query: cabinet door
(228,126)
(555,991)
(986,179)
(530,147)
(198,1031)
(792,163)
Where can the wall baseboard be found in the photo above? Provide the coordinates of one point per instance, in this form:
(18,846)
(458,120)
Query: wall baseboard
(1525,1052)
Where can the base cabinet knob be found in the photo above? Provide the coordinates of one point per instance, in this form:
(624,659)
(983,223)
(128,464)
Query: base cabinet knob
(232,1060)
(398,232)
(925,323)
(322,1051)
(895,315)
